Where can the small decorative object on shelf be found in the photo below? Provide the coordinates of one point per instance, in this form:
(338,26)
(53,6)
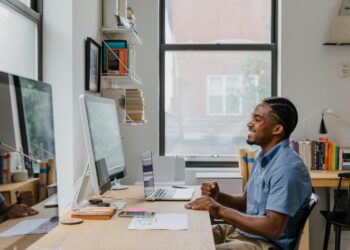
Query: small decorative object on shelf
(92,65)
(131,18)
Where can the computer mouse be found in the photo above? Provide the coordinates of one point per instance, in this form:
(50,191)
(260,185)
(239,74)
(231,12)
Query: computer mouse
(95,201)
(103,204)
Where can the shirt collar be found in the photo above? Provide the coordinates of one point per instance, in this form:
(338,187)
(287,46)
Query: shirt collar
(265,159)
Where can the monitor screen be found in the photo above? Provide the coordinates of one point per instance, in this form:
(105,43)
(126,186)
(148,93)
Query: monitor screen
(35,109)
(9,126)
(26,109)
(105,135)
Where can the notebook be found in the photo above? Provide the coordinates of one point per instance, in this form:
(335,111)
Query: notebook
(152,193)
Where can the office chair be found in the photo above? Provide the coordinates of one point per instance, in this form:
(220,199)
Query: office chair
(312,203)
(337,217)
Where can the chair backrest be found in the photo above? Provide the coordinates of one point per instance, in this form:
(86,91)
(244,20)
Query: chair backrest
(246,160)
(338,198)
(312,203)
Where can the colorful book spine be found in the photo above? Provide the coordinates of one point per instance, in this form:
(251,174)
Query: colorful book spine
(123,61)
(319,155)
(6,175)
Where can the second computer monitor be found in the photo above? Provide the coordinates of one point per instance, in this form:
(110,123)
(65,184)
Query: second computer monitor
(103,124)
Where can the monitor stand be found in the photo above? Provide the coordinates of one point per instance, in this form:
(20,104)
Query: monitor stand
(117,186)
(79,200)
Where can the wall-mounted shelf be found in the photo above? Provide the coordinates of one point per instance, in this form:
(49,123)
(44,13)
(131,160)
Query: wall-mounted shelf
(120,82)
(123,33)
(133,123)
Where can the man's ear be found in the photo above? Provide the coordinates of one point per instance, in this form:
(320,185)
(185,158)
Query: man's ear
(278,130)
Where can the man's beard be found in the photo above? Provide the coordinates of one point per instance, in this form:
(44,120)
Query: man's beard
(250,142)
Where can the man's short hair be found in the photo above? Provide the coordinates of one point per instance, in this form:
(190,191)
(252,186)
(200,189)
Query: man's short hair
(284,112)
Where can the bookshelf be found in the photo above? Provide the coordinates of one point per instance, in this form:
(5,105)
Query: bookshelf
(122,33)
(124,86)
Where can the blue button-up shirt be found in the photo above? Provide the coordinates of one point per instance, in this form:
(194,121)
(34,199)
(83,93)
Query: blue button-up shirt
(2,200)
(279,182)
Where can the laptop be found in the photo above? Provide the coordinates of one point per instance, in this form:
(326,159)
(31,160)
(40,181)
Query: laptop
(160,194)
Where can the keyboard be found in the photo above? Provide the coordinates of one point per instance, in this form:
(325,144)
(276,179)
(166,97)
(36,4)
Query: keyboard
(161,193)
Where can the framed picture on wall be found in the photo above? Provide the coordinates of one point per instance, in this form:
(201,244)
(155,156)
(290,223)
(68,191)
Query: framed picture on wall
(92,65)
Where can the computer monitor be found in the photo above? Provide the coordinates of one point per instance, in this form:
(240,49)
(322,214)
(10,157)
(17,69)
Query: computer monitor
(102,140)
(9,125)
(35,111)
(26,111)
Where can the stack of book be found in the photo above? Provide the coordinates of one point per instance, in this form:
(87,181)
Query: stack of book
(130,103)
(134,105)
(118,58)
(320,155)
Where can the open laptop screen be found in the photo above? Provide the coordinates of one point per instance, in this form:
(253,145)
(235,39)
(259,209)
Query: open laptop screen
(147,167)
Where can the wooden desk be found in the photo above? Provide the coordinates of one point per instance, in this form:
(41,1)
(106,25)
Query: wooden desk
(325,179)
(113,234)
(9,190)
(22,242)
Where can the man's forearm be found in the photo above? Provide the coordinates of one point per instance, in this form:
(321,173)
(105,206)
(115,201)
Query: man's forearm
(237,202)
(259,225)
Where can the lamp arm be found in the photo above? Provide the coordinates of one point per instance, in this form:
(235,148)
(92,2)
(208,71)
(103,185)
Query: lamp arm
(306,120)
(8,147)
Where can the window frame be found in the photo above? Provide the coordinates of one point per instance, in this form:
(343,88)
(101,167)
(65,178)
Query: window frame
(163,48)
(34,13)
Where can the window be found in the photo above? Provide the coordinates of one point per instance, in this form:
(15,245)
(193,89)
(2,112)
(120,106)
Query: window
(223,95)
(217,61)
(20,44)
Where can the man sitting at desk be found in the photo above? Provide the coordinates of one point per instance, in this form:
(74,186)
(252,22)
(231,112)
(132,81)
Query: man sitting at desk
(20,209)
(267,215)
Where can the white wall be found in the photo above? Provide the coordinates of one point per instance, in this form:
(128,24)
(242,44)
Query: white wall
(310,78)
(58,71)
(138,139)
(66,24)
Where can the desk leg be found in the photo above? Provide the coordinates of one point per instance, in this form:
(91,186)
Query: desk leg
(304,241)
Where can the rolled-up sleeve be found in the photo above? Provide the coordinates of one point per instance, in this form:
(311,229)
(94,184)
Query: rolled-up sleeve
(1,199)
(287,191)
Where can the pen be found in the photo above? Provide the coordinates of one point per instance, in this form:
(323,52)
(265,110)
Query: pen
(174,186)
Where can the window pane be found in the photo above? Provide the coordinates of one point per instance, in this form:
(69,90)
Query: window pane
(18,43)
(190,126)
(26,2)
(221,21)
(215,105)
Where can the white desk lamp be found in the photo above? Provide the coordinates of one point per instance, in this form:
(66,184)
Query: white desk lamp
(323,112)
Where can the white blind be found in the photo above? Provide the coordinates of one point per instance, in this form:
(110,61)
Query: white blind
(18,43)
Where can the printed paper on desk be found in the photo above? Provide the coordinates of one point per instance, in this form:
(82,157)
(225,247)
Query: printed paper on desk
(31,226)
(169,221)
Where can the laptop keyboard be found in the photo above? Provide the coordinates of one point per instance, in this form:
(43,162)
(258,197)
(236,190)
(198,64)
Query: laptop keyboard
(161,193)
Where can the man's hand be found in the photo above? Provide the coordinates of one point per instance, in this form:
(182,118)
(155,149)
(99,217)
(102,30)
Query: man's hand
(20,210)
(205,203)
(211,189)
